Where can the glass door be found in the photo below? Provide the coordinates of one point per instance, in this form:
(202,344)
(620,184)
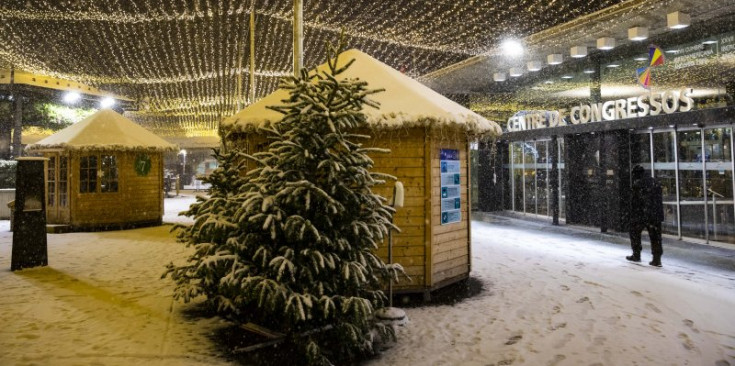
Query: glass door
(664,166)
(691,181)
(719,184)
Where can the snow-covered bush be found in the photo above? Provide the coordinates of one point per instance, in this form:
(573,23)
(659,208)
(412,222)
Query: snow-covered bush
(7,173)
(290,245)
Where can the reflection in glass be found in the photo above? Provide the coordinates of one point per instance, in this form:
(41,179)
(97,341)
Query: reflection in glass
(691,184)
(718,165)
(664,154)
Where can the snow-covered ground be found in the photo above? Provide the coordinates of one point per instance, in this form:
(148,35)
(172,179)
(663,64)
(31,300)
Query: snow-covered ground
(174,205)
(549,299)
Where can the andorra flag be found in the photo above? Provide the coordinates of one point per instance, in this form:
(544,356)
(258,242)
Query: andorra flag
(655,58)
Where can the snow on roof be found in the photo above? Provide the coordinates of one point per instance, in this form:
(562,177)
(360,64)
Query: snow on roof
(106,129)
(404,103)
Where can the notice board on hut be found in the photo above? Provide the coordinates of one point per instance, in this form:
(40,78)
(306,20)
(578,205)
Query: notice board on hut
(451,201)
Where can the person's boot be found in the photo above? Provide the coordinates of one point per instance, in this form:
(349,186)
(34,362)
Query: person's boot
(656,262)
(636,257)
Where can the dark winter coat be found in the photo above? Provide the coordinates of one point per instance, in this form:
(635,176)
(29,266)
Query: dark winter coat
(646,202)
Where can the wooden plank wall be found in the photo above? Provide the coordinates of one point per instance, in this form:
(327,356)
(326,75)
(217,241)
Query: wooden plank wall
(138,199)
(407,163)
(451,242)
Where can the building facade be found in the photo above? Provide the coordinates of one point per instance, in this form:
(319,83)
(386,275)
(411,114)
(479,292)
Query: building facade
(574,132)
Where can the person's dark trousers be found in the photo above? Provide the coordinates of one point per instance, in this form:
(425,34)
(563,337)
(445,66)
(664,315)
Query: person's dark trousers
(635,238)
(654,232)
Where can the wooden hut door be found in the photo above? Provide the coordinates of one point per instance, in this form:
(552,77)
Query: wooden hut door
(57,189)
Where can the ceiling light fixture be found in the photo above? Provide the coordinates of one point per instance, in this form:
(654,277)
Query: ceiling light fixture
(499,76)
(578,51)
(678,20)
(588,71)
(554,59)
(515,72)
(534,65)
(637,33)
(605,43)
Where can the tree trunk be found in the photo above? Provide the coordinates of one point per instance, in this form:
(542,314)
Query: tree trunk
(17,126)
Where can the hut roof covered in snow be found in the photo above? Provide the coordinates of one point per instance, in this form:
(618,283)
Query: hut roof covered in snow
(105,129)
(404,103)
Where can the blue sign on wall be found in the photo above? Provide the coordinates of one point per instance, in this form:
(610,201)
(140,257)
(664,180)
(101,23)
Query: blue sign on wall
(451,204)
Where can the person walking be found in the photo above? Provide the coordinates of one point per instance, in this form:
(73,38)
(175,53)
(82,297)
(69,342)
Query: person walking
(646,212)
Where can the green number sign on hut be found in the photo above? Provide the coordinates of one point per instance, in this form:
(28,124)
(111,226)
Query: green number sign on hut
(105,171)
(415,123)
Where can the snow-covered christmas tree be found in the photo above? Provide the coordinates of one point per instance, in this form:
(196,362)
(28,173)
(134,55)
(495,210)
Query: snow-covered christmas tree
(291,244)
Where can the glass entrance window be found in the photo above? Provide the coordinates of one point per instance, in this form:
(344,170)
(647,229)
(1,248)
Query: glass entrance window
(664,165)
(719,184)
(691,183)
(530,155)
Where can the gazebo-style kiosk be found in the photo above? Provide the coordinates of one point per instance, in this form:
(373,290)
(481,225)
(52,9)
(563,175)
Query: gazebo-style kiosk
(105,171)
(428,135)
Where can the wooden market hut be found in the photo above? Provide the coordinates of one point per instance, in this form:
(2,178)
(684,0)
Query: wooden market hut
(418,125)
(103,172)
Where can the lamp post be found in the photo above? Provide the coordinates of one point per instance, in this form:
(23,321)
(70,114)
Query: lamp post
(182,152)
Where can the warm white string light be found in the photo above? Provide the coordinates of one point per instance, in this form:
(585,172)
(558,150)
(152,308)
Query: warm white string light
(179,57)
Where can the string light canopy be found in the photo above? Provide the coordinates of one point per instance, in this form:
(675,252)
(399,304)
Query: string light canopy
(185,62)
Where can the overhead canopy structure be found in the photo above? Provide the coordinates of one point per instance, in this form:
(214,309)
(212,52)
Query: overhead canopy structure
(183,59)
(404,103)
(106,129)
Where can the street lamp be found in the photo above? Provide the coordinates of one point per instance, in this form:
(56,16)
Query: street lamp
(182,152)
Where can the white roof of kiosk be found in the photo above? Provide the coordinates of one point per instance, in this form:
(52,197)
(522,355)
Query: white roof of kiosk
(404,103)
(104,130)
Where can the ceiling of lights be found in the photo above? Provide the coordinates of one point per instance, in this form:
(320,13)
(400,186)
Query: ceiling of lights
(475,74)
(182,60)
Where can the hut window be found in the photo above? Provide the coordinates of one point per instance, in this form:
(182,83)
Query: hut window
(63,179)
(88,174)
(51,181)
(109,174)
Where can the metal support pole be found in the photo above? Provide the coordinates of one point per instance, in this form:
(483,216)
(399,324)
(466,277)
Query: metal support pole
(298,36)
(252,51)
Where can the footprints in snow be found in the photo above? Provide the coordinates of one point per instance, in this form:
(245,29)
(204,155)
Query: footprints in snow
(513,340)
(653,308)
